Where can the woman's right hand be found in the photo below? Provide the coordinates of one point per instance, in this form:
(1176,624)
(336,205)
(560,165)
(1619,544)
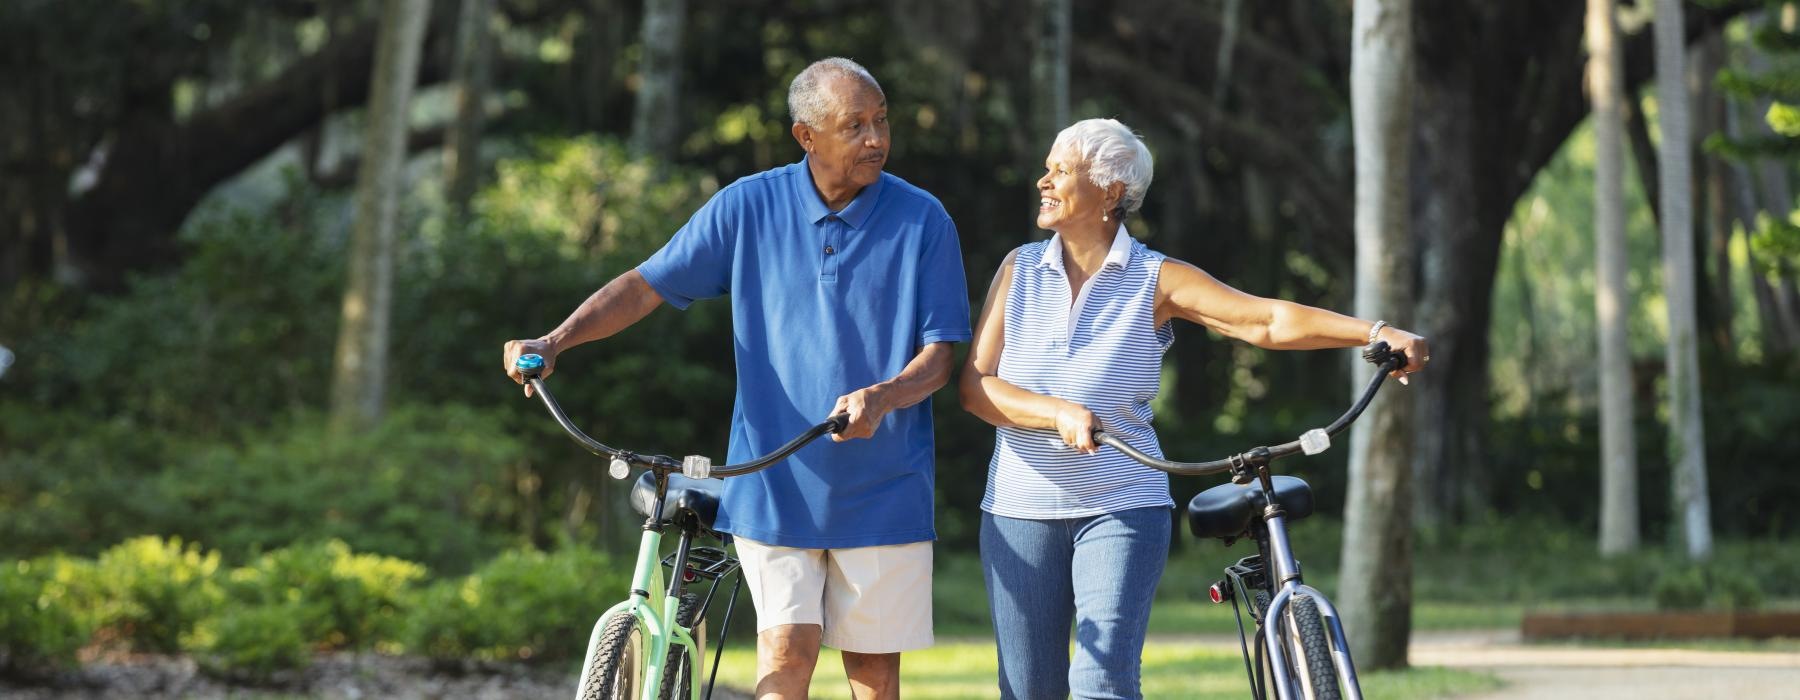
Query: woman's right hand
(1076,424)
(540,347)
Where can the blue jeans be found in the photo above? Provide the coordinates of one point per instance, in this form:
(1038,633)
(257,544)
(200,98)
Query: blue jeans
(1099,572)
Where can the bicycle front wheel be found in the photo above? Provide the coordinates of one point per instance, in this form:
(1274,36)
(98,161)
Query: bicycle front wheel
(679,670)
(1310,654)
(617,669)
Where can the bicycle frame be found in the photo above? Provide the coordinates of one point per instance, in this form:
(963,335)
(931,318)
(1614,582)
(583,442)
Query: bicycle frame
(1287,582)
(659,628)
(1280,570)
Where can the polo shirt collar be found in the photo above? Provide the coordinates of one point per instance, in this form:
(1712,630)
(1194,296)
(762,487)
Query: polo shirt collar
(1116,256)
(855,214)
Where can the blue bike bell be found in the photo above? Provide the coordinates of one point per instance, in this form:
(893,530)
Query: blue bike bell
(529,363)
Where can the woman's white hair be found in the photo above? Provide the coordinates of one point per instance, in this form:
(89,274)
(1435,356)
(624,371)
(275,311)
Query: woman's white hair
(807,102)
(1112,154)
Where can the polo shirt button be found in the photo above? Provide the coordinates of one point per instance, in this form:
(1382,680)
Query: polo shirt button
(829,250)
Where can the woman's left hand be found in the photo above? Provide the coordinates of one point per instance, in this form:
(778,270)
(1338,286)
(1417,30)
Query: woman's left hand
(1418,352)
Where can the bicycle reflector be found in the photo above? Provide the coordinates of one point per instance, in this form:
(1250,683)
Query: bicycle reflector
(1219,591)
(1315,441)
(618,469)
(696,467)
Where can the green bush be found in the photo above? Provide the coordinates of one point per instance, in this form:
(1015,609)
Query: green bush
(1681,588)
(339,599)
(423,486)
(525,605)
(1735,592)
(254,641)
(41,623)
(153,591)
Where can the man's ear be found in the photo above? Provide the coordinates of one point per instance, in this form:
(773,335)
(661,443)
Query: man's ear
(803,135)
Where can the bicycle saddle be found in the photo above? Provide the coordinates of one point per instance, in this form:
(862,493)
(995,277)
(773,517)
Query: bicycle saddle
(1226,510)
(697,496)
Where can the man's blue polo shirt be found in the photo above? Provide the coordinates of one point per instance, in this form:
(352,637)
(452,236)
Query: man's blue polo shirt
(823,304)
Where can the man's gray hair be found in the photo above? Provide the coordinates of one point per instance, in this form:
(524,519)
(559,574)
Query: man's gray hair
(1112,154)
(807,102)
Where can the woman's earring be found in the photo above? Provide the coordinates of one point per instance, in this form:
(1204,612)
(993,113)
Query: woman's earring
(1103,216)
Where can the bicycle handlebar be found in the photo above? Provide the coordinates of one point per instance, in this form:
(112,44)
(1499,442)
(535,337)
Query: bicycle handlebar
(692,466)
(1312,442)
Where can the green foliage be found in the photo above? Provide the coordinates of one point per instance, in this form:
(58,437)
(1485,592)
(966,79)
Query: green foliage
(155,590)
(525,605)
(254,641)
(337,599)
(1784,119)
(1776,244)
(1681,588)
(1693,587)
(417,486)
(209,377)
(1779,85)
(41,624)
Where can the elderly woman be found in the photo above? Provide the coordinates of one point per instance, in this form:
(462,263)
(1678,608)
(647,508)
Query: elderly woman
(1071,340)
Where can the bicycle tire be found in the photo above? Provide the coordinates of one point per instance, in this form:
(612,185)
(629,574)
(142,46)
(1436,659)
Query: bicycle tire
(618,667)
(1314,667)
(675,673)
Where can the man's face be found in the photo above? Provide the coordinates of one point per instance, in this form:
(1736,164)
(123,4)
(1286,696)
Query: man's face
(850,147)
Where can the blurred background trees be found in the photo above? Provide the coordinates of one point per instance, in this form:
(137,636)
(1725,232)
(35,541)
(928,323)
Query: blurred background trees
(178,205)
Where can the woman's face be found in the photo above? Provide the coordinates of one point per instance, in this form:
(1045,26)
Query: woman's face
(1066,194)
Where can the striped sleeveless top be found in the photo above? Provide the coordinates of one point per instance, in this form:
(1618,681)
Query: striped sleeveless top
(1103,351)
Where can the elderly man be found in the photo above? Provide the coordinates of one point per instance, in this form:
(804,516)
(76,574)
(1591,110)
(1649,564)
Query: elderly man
(847,291)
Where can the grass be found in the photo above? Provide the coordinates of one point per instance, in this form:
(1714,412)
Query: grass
(1479,576)
(967,669)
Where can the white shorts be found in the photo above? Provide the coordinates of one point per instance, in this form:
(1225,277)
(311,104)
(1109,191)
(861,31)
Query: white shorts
(868,600)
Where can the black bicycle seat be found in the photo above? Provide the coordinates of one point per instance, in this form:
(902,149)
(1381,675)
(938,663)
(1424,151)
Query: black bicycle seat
(697,496)
(1226,510)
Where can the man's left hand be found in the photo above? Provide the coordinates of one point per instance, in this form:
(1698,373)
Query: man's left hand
(866,407)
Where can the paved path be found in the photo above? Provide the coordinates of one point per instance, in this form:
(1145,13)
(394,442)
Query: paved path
(1543,672)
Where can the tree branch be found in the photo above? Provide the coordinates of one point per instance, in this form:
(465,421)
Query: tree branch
(124,223)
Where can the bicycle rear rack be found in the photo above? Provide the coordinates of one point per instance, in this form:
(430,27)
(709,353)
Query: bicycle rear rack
(710,563)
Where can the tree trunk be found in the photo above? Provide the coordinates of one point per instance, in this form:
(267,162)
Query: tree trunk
(472,72)
(655,123)
(1459,254)
(1712,245)
(1376,585)
(359,371)
(1050,71)
(1687,441)
(1618,456)
(1643,151)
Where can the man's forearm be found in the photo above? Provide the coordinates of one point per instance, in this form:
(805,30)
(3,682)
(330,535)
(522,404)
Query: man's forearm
(624,301)
(926,373)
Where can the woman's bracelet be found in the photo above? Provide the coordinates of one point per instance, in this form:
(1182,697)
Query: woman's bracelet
(1375,330)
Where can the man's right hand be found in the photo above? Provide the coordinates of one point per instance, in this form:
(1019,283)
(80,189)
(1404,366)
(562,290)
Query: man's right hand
(540,347)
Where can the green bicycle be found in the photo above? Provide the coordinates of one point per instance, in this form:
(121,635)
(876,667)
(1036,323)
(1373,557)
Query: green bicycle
(638,649)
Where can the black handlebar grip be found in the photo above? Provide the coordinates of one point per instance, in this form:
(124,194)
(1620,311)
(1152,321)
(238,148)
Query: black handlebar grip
(1380,354)
(839,423)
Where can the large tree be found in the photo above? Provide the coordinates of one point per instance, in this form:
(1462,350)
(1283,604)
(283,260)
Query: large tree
(1498,92)
(473,72)
(1376,582)
(1687,439)
(359,374)
(1618,456)
(655,121)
